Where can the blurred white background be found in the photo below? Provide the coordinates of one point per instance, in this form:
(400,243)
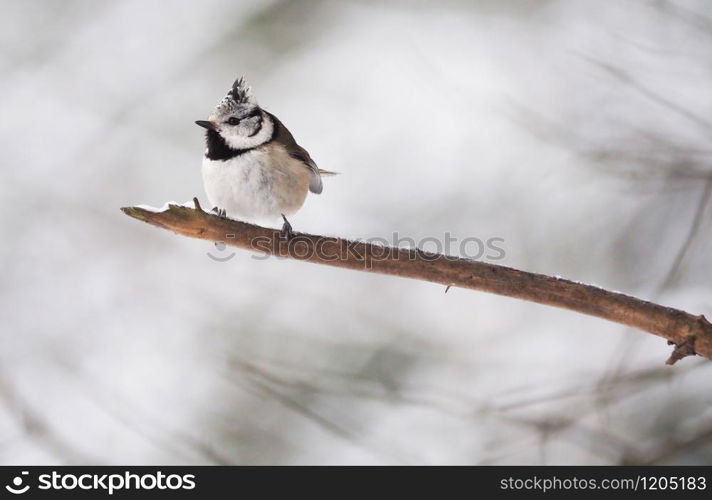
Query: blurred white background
(576,130)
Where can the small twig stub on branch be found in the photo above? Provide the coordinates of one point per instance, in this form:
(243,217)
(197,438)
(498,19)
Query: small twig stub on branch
(681,350)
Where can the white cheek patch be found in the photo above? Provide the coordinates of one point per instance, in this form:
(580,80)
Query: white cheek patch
(236,140)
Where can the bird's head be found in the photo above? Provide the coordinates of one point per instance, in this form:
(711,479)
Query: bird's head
(238,120)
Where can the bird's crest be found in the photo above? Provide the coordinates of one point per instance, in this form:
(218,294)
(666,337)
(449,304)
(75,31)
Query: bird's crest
(238,95)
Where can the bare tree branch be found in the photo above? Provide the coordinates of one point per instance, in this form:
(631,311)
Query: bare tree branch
(689,333)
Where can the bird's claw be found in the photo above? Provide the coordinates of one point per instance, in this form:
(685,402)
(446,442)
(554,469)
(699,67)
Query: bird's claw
(286,232)
(220,212)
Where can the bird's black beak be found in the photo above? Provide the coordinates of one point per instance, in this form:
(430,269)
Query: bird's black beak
(205,124)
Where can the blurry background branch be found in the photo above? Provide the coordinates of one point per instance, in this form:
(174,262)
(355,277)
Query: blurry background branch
(689,333)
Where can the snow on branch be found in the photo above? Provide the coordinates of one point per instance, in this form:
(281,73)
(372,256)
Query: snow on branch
(689,334)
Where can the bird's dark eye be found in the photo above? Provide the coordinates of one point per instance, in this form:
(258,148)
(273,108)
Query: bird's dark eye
(233,121)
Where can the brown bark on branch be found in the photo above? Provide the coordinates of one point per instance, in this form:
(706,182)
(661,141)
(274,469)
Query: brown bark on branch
(689,333)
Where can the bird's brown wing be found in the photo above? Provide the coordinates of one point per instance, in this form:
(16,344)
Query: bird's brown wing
(285,138)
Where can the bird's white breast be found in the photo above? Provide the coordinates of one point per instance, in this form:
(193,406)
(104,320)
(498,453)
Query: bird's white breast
(259,184)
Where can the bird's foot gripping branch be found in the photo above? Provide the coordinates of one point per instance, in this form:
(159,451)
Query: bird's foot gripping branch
(690,334)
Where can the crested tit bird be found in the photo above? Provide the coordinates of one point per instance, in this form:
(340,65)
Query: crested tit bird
(253,167)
